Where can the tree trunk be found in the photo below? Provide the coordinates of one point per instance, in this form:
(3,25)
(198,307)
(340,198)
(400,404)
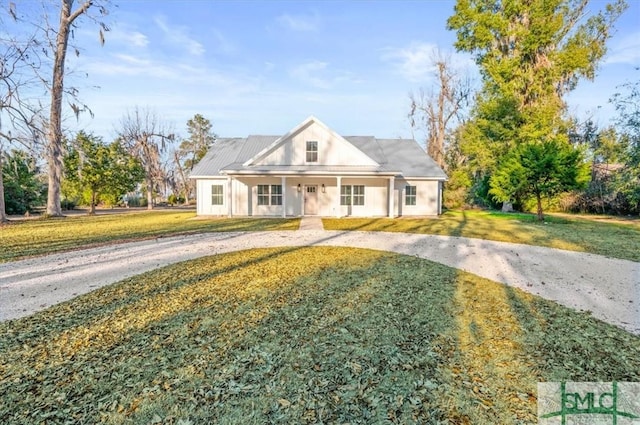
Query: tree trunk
(507,206)
(185,181)
(540,214)
(54,135)
(149,193)
(92,209)
(3,212)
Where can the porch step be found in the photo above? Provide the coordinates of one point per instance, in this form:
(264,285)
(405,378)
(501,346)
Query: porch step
(311,223)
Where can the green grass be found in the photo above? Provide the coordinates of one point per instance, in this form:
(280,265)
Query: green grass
(616,239)
(602,235)
(301,335)
(36,237)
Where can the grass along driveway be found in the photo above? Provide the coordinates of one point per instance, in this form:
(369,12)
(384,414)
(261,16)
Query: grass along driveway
(301,335)
(619,239)
(36,237)
(616,239)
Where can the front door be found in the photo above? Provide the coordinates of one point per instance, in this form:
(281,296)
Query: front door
(311,200)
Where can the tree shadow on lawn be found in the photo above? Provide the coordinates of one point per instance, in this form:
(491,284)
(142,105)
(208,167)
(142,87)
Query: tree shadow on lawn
(44,236)
(574,346)
(287,335)
(207,346)
(497,227)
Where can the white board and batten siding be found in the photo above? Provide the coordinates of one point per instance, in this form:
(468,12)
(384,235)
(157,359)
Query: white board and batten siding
(245,197)
(428,200)
(311,185)
(332,150)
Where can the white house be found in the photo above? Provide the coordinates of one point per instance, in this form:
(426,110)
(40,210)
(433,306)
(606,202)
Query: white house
(312,170)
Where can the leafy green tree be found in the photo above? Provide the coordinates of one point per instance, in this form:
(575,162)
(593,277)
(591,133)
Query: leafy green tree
(200,140)
(536,49)
(22,188)
(539,170)
(193,149)
(627,104)
(530,54)
(605,151)
(99,169)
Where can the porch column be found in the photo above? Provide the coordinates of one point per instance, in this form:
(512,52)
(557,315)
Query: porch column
(229,196)
(440,186)
(391,195)
(338,185)
(283,182)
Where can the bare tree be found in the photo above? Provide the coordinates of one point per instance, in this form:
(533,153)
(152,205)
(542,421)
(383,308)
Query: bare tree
(437,108)
(68,16)
(183,185)
(20,119)
(146,138)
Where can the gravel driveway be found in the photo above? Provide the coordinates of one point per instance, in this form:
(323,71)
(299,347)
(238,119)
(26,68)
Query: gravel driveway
(609,288)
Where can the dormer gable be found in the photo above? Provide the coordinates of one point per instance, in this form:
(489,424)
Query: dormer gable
(311,143)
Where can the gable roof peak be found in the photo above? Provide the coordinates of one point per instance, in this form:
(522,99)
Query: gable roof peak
(308,121)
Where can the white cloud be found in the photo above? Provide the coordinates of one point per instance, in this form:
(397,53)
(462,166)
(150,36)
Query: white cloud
(414,62)
(132,66)
(311,73)
(318,74)
(178,36)
(626,51)
(138,39)
(299,22)
(223,43)
(130,38)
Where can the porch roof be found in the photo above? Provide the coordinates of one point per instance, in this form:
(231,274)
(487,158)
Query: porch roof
(307,170)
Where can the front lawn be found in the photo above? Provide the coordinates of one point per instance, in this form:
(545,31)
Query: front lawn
(301,335)
(619,239)
(35,237)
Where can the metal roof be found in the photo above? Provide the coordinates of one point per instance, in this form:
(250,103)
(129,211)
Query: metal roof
(400,157)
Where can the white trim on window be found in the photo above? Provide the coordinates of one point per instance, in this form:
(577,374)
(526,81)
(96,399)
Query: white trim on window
(312,151)
(352,195)
(410,195)
(269,194)
(217,194)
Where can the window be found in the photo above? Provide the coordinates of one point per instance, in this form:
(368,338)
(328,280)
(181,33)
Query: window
(269,194)
(410,195)
(276,194)
(345,195)
(263,194)
(217,194)
(358,195)
(312,151)
(352,195)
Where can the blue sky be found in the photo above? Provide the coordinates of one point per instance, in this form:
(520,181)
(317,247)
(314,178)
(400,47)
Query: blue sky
(261,67)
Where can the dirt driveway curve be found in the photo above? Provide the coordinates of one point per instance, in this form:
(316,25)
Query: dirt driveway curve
(609,288)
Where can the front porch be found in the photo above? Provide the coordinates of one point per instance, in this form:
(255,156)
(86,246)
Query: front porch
(294,196)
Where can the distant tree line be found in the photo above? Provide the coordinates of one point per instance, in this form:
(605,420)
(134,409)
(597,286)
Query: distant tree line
(128,171)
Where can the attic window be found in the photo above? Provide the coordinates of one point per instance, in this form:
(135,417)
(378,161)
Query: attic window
(312,151)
